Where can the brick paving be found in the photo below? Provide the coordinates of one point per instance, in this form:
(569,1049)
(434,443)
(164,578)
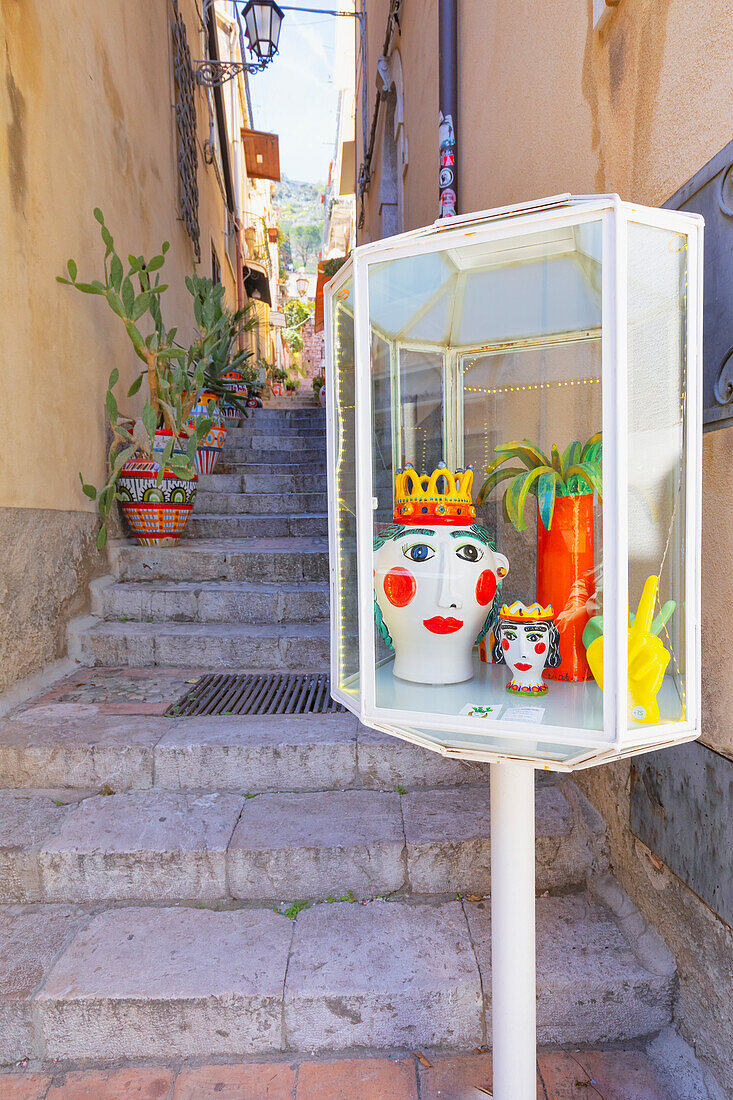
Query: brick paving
(563,1075)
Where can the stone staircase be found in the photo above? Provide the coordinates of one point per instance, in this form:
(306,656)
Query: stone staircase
(244,886)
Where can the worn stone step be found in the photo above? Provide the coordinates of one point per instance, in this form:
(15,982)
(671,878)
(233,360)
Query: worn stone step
(213,601)
(313,459)
(162,845)
(267,501)
(84,745)
(230,646)
(215,525)
(275,440)
(263,559)
(257,430)
(275,485)
(191,982)
(312,471)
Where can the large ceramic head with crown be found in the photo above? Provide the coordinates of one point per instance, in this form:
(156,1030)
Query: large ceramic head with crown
(436,577)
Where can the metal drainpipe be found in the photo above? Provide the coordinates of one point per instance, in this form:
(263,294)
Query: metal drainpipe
(448,108)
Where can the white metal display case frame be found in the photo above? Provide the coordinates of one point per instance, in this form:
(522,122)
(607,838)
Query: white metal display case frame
(616,740)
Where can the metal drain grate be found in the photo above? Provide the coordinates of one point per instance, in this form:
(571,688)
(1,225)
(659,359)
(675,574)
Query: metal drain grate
(266,693)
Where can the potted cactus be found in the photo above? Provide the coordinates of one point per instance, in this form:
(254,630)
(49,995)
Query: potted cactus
(224,395)
(151,461)
(563,486)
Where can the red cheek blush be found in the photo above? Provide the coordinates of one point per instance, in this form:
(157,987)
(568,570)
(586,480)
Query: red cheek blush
(504,644)
(540,647)
(399,586)
(486,587)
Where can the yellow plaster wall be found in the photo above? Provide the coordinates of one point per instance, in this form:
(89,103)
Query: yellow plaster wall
(86,120)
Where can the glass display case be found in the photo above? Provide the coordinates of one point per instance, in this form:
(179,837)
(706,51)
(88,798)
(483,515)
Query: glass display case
(514,434)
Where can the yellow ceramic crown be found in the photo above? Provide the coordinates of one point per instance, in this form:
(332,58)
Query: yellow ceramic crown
(441,497)
(518,613)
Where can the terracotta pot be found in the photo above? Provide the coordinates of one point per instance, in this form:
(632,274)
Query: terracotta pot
(157,514)
(566,579)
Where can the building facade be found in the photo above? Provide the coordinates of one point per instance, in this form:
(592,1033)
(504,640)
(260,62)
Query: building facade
(630,97)
(99,107)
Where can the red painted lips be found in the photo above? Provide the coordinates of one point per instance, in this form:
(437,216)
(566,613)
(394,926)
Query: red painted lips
(522,666)
(439,625)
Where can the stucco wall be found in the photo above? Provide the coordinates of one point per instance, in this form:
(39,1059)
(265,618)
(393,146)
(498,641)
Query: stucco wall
(86,120)
(549,105)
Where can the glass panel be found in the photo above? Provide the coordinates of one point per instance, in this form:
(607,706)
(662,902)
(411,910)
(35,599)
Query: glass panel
(520,360)
(384,466)
(347,626)
(421,408)
(657,317)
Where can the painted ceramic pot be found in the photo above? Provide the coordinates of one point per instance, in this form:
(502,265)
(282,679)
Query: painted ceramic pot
(436,578)
(157,514)
(209,449)
(277,389)
(527,641)
(162,436)
(322,397)
(566,579)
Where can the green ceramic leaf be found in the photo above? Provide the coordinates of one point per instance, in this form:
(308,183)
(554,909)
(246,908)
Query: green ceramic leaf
(546,489)
(556,460)
(511,499)
(494,479)
(530,478)
(588,475)
(527,452)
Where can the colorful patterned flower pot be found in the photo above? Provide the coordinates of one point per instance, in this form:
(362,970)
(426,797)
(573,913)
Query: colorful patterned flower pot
(162,435)
(157,514)
(277,389)
(209,449)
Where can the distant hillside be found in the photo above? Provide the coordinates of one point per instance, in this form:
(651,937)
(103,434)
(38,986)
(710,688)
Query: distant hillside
(300,217)
(299,203)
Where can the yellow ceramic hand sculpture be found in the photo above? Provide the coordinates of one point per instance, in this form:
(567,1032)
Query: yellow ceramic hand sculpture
(648,659)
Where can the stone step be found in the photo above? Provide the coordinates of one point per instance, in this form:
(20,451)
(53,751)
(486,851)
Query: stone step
(310,473)
(265,559)
(168,982)
(84,746)
(213,846)
(213,601)
(313,458)
(230,646)
(267,501)
(257,430)
(216,526)
(277,485)
(264,440)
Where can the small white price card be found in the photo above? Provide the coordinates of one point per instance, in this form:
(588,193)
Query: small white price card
(523,714)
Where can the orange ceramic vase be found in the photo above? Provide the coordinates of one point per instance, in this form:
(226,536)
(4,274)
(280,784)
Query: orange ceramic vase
(565,579)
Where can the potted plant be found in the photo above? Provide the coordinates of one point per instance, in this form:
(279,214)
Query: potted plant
(319,388)
(563,486)
(277,377)
(151,462)
(224,394)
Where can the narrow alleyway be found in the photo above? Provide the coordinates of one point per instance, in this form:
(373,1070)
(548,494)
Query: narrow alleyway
(246,886)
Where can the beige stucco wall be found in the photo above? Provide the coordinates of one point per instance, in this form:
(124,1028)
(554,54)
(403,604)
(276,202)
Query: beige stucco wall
(549,105)
(86,119)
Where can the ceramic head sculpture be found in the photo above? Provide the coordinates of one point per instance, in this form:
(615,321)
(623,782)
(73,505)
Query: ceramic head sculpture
(527,639)
(436,577)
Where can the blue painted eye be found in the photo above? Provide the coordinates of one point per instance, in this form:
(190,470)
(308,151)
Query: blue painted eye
(418,552)
(469,552)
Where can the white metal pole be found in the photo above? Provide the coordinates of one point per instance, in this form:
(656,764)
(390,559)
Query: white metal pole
(513,969)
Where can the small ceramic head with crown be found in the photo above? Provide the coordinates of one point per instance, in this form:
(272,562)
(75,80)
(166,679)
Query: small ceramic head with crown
(527,639)
(436,577)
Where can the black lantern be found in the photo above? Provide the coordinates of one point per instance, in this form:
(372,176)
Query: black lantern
(262,19)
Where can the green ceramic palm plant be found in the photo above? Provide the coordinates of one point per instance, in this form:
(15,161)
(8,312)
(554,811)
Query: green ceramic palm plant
(576,471)
(134,296)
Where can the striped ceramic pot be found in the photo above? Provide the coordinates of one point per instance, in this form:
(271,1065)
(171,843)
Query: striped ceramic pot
(209,449)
